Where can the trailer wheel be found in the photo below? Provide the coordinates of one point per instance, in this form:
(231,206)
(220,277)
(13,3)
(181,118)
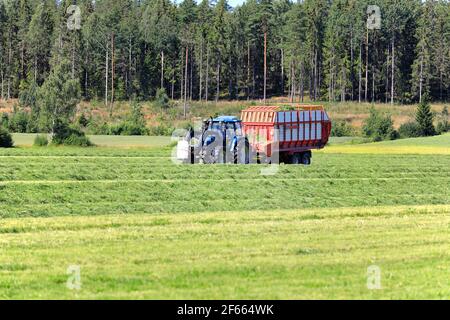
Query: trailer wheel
(296,158)
(306,158)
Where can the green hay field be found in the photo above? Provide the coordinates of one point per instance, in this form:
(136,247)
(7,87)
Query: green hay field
(27,139)
(139,226)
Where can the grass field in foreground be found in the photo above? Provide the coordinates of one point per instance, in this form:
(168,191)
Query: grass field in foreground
(298,254)
(306,232)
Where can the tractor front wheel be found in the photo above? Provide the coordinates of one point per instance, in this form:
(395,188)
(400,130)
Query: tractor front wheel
(242,153)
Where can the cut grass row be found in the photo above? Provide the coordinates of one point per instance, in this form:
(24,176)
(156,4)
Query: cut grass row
(34,186)
(298,254)
(93,198)
(326,166)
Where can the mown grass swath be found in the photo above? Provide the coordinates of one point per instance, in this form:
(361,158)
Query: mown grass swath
(103,182)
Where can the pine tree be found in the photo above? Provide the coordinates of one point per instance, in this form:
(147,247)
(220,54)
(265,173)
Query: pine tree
(160,30)
(58,97)
(3,50)
(316,13)
(218,40)
(204,20)
(424,118)
(337,50)
(400,18)
(23,22)
(441,52)
(39,41)
(422,73)
(252,44)
(295,50)
(11,58)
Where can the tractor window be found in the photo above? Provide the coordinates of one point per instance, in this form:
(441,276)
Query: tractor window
(238,128)
(216,126)
(230,126)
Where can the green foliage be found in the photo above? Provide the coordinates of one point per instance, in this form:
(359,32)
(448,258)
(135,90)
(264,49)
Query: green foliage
(133,125)
(318,35)
(96,128)
(39,41)
(443,125)
(136,113)
(58,98)
(19,122)
(410,130)
(6,140)
(83,121)
(394,135)
(442,128)
(128,128)
(161,99)
(379,126)
(28,96)
(432,45)
(161,130)
(78,140)
(41,141)
(4,120)
(342,129)
(424,118)
(317,46)
(69,136)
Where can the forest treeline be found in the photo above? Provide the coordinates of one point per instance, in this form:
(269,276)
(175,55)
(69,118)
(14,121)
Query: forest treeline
(321,49)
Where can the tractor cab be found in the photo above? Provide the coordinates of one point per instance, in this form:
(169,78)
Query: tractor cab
(219,141)
(226,126)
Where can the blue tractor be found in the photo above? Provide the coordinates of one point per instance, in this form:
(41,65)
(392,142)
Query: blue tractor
(220,140)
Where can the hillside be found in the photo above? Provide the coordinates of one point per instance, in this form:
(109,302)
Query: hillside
(352,113)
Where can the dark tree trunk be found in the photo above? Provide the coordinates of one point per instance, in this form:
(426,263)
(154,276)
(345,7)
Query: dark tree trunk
(218,82)
(207,74)
(265,67)
(185,82)
(366,91)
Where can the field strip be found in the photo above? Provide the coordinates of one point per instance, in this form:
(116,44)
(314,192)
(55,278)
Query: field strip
(160,206)
(81,157)
(371,149)
(269,178)
(331,150)
(322,253)
(118,220)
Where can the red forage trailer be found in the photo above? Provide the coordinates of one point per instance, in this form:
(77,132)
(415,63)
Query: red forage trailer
(291,132)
